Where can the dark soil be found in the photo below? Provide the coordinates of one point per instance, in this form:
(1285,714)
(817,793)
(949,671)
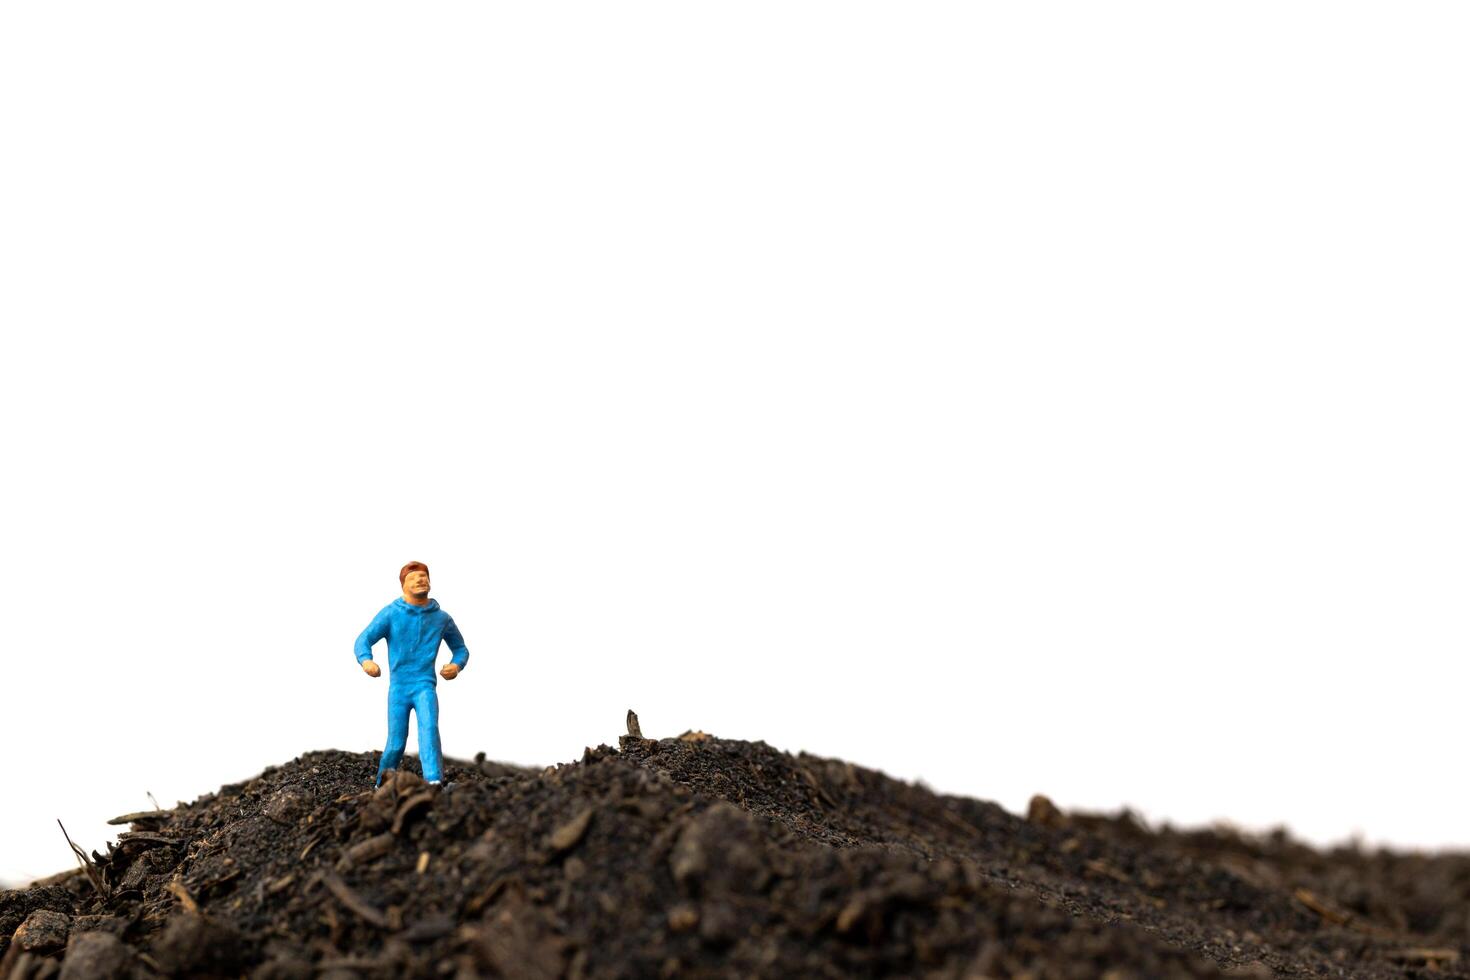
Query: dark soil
(702,857)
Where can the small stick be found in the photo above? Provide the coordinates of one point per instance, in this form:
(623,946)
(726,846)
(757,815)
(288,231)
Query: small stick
(1311,901)
(353,902)
(144,816)
(176,887)
(86,862)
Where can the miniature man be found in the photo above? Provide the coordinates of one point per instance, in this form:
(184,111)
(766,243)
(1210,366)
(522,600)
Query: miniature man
(414,626)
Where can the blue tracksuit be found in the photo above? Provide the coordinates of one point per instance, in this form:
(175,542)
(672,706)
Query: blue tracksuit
(413,634)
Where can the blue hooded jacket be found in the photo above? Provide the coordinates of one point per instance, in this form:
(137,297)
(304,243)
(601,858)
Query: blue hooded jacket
(413,634)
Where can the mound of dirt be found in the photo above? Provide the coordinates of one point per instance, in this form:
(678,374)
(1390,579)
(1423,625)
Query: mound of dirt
(703,857)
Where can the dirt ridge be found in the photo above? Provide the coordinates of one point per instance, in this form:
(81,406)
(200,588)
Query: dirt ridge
(705,857)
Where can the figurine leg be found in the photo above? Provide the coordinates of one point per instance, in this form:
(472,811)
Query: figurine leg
(398,706)
(426,715)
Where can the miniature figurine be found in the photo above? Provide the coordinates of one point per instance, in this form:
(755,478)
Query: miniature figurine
(414,626)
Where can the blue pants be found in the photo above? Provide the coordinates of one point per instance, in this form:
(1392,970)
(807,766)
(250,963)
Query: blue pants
(423,701)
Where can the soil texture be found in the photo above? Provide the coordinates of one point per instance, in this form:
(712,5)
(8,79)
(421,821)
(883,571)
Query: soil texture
(704,857)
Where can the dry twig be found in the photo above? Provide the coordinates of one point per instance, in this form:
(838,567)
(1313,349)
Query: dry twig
(177,889)
(94,874)
(353,902)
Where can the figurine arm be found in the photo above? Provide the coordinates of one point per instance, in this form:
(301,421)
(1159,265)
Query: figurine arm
(375,631)
(456,644)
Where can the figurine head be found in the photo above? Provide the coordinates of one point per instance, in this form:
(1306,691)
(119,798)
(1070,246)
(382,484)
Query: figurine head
(414,577)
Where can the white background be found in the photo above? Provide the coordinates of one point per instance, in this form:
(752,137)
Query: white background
(1058,397)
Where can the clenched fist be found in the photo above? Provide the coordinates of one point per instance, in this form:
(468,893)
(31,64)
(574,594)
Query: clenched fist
(450,672)
(373,670)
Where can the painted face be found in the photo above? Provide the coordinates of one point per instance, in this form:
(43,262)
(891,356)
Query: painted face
(416,583)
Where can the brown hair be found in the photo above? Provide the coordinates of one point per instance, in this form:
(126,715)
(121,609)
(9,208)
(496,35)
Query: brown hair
(413,566)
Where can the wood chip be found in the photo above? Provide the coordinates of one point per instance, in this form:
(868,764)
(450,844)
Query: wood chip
(352,901)
(1428,957)
(568,834)
(369,850)
(429,929)
(145,816)
(961,824)
(1099,866)
(1321,907)
(633,730)
(1041,810)
(177,889)
(423,864)
(421,798)
(474,905)
(143,837)
(854,910)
